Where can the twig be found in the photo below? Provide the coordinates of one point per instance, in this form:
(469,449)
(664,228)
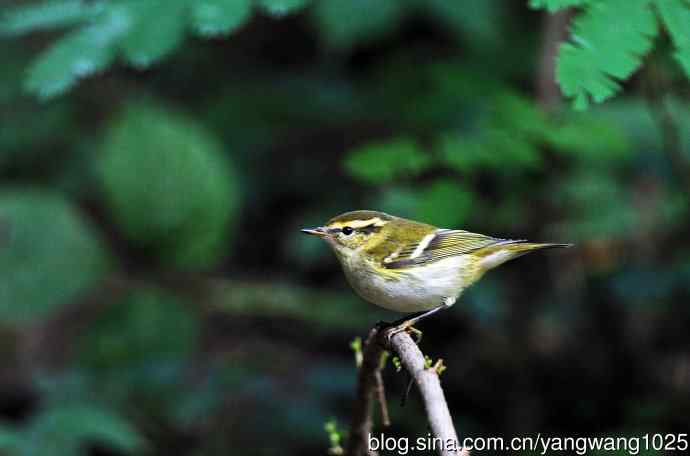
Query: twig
(427,380)
(381,396)
(360,425)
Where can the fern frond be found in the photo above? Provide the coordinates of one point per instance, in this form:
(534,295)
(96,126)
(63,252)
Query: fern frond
(676,17)
(555,5)
(607,45)
(49,15)
(79,54)
(158,29)
(280,8)
(219,17)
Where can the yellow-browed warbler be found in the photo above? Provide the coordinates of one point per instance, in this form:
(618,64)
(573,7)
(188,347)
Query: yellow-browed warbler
(409,266)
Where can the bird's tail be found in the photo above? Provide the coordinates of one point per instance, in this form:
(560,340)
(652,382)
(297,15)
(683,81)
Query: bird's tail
(497,254)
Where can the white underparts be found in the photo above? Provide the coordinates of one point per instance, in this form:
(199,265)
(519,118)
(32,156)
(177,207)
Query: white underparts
(414,289)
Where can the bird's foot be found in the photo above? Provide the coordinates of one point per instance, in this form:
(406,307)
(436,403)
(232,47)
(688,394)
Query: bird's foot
(389,330)
(416,333)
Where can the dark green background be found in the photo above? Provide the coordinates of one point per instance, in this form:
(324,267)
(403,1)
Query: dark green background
(157,297)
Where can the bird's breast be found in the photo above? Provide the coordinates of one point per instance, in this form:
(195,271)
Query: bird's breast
(406,290)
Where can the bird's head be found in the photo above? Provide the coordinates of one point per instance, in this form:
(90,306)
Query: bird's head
(352,231)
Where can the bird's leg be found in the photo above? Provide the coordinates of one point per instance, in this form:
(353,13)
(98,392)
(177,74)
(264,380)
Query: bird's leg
(407,323)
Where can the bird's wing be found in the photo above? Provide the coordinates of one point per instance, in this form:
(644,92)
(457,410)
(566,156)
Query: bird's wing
(438,245)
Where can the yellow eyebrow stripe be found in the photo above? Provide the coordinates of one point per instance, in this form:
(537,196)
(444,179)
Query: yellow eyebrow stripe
(376,221)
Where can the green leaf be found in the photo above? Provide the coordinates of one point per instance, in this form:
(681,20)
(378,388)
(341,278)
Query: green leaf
(591,138)
(494,149)
(157,30)
(79,54)
(399,200)
(280,8)
(48,15)
(343,24)
(48,254)
(378,163)
(169,186)
(504,136)
(555,5)
(676,17)
(445,203)
(516,113)
(465,154)
(219,17)
(591,65)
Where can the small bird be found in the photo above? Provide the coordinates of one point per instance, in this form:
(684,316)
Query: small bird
(409,266)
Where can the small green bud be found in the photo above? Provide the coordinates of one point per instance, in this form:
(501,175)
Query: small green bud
(356,346)
(397,364)
(334,437)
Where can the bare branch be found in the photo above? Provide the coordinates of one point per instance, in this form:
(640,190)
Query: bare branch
(426,379)
(429,385)
(381,397)
(361,423)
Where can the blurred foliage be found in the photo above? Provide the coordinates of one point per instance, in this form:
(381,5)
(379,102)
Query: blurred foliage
(157,296)
(149,156)
(343,25)
(40,270)
(291,302)
(590,66)
(381,163)
(122,27)
(65,430)
(122,336)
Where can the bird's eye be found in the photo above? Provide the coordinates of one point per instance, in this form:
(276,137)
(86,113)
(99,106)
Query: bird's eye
(347,231)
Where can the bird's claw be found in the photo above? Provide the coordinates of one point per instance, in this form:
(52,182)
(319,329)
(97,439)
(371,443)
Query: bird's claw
(388,331)
(417,334)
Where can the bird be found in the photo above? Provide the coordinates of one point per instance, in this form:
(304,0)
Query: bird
(413,267)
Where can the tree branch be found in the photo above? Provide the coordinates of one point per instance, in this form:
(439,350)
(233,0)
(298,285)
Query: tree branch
(361,423)
(554,32)
(427,381)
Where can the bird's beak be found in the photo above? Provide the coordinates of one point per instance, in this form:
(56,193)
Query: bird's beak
(318,231)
